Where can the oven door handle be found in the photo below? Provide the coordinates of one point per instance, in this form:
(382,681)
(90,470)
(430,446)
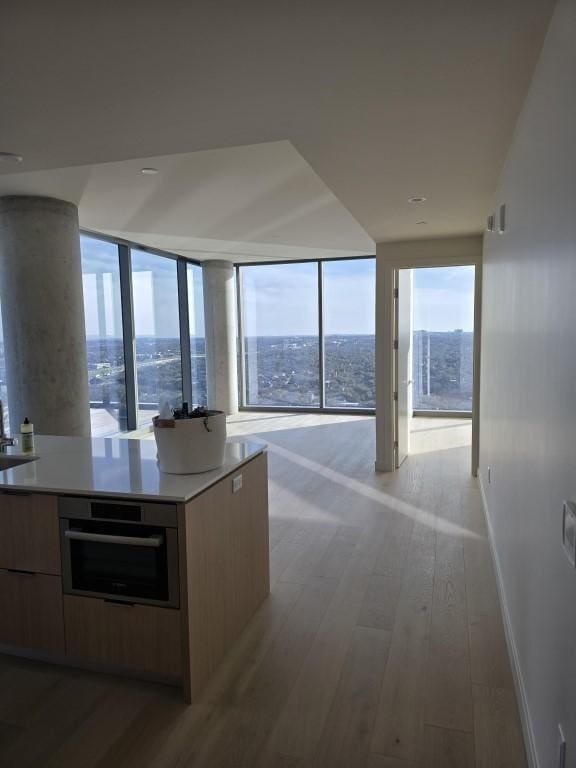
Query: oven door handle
(105,538)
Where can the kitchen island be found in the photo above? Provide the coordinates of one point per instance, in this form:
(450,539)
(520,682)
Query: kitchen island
(107,563)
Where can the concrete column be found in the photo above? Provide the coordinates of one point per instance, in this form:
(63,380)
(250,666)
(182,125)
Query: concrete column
(221,332)
(43,315)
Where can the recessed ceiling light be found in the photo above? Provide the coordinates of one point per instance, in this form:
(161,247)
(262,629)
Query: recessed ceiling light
(149,171)
(9,157)
(417,200)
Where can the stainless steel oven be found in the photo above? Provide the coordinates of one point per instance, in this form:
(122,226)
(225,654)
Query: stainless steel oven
(123,551)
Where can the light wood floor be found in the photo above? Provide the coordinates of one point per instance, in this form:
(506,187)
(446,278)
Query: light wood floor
(438,433)
(381,645)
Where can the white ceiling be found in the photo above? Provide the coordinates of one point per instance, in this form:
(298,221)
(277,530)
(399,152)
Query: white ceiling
(241,203)
(384,99)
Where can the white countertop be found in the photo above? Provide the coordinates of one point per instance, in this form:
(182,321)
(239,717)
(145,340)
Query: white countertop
(113,467)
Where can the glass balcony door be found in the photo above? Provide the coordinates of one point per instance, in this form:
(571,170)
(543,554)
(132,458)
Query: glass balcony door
(348,290)
(281,340)
(144,316)
(104,335)
(307,334)
(443,338)
(157,332)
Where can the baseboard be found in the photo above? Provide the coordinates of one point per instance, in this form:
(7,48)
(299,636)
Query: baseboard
(525,718)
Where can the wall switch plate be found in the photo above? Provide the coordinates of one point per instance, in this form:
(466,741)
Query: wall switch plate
(569,531)
(561,748)
(502,219)
(236,483)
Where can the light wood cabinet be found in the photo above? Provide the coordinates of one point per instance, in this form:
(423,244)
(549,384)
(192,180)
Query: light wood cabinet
(224,567)
(31,611)
(139,638)
(224,577)
(29,533)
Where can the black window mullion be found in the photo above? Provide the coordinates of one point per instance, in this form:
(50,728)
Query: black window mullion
(321,335)
(240,327)
(129,337)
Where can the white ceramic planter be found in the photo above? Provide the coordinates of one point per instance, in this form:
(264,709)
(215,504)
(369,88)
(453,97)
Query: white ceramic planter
(191,445)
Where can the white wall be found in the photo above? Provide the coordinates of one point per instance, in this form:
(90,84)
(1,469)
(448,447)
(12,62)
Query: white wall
(528,390)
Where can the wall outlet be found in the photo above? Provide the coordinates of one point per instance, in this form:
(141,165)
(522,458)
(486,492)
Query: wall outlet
(569,531)
(561,748)
(236,483)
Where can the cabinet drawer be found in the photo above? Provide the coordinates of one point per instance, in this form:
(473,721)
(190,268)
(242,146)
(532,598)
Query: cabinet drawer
(31,611)
(139,638)
(29,533)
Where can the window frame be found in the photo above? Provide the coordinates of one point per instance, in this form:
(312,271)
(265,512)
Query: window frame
(124,248)
(322,408)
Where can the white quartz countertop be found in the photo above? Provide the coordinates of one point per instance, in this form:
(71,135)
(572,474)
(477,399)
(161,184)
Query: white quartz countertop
(112,467)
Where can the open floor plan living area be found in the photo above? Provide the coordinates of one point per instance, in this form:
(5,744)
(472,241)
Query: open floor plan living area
(287,368)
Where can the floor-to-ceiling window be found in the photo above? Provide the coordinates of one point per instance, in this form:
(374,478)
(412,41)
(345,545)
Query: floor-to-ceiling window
(197,335)
(443,338)
(308,334)
(133,303)
(104,338)
(281,342)
(349,320)
(157,332)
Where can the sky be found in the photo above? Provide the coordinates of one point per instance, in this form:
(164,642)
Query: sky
(279,299)
(154,290)
(443,299)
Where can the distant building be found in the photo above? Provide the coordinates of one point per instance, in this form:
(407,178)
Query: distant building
(442,370)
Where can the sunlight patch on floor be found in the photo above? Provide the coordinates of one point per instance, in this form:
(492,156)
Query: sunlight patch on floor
(419,515)
(434,433)
(248,422)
